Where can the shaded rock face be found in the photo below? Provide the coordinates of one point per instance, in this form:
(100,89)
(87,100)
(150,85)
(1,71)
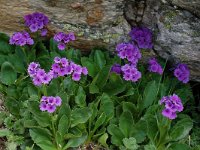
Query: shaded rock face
(96,23)
(104,23)
(176,30)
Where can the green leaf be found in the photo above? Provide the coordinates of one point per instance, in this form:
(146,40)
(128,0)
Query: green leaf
(117,135)
(126,123)
(102,77)
(149,96)
(91,66)
(181,129)
(42,138)
(70,85)
(8,74)
(128,106)
(80,98)
(100,120)
(63,125)
(107,106)
(102,140)
(12,105)
(32,90)
(4,132)
(99,58)
(5,48)
(42,118)
(80,115)
(179,146)
(130,143)
(93,89)
(75,142)
(115,85)
(74,132)
(3,58)
(53,45)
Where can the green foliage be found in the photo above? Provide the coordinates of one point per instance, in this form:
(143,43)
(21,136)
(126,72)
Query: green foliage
(102,108)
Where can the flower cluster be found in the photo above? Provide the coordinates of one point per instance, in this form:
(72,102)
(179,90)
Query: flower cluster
(172,104)
(49,103)
(21,39)
(37,21)
(63,66)
(116,68)
(63,39)
(182,73)
(38,75)
(154,66)
(142,36)
(130,73)
(128,51)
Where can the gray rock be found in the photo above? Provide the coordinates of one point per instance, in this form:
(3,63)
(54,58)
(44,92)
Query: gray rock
(190,5)
(96,23)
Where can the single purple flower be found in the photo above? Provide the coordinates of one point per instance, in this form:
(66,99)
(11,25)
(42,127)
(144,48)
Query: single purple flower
(84,71)
(37,81)
(58,101)
(76,76)
(116,68)
(61,46)
(43,32)
(57,59)
(51,108)
(43,106)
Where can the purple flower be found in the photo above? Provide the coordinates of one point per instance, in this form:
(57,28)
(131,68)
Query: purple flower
(36,21)
(63,39)
(154,66)
(130,73)
(58,101)
(182,72)
(21,39)
(77,69)
(172,104)
(76,76)
(51,108)
(49,103)
(128,51)
(61,46)
(37,81)
(169,114)
(57,59)
(64,62)
(43,106)
(116,68)
(43,32)
(84,71)
(142,36)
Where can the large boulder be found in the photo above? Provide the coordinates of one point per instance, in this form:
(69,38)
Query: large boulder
(97,23)
(104,23)
(176,27)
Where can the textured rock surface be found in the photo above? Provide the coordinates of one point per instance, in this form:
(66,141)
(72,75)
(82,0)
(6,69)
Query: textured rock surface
(190,5)
(103,23)
(96,22)
(177,31)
